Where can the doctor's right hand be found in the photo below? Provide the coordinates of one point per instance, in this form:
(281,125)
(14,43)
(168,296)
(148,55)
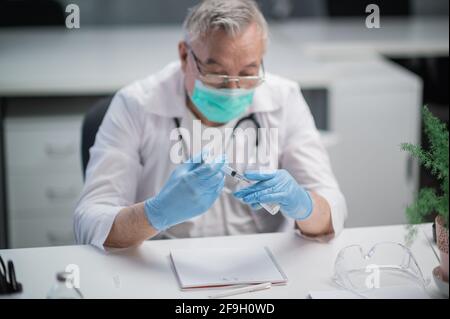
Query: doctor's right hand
(191,190)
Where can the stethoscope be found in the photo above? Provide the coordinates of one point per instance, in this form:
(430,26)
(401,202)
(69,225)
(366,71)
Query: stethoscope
(251,117)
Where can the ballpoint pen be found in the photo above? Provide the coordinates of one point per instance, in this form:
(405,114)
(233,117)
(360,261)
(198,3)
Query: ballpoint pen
(238,291)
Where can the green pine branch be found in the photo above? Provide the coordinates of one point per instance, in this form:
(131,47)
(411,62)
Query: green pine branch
(436,160)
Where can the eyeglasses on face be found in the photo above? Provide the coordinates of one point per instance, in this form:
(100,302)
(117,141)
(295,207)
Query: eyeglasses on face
(220,81)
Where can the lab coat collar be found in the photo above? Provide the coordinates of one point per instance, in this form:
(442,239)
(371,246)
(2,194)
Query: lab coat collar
(168,96)
(164,92)
(263,100)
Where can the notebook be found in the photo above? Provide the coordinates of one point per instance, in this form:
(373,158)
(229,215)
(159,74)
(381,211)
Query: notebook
(219,267)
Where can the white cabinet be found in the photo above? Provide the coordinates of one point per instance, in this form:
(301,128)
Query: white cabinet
(373,114)
(44,178)
(45,146)
(40,232)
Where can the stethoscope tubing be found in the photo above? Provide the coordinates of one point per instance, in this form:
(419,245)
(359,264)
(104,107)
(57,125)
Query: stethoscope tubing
(251,117)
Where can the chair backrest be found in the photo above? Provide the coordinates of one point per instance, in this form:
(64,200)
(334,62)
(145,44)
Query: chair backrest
(91,123)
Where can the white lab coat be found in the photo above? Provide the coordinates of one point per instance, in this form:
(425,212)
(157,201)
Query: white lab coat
(130,162)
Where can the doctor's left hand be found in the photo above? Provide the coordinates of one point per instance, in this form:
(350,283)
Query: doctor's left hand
(191,190)
(277,187)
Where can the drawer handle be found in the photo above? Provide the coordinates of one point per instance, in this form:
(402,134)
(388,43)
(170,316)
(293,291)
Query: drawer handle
(61,150)
(61,194)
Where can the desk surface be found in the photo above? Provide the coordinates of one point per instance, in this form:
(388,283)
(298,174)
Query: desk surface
(347,38)
(50,61)
(145,272)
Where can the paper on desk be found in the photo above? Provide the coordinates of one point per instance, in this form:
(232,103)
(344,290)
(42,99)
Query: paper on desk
(393,292)
(200,268)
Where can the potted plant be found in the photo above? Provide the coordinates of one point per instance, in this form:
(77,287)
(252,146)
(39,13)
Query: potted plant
(429,202)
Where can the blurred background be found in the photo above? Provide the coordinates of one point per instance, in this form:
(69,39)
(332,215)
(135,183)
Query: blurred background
(365,87)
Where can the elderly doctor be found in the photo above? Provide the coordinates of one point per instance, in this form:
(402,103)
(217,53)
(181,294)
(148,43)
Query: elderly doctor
(135,191)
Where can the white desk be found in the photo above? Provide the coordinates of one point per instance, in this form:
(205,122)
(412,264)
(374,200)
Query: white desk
(349,38)
(145,272)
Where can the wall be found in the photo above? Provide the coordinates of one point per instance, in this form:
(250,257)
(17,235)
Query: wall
(100,12)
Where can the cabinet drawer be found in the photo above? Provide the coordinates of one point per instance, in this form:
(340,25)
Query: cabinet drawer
(46,147)
(37,195)
(40,232)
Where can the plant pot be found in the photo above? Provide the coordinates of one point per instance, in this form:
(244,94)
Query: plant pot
(442,243)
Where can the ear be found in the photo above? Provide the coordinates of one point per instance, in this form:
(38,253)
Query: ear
(183,55)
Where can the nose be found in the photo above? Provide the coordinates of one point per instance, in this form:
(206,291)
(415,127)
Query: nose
(232,84)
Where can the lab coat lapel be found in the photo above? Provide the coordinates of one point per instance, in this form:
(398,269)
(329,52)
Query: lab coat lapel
(166,94)
(263,101)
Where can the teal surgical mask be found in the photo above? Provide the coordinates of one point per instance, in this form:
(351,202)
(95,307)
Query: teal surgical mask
(221,105)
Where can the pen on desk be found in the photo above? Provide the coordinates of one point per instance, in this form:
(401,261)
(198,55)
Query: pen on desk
(242,290)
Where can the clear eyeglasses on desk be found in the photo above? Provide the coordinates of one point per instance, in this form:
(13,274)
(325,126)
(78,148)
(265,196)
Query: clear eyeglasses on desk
(385,264)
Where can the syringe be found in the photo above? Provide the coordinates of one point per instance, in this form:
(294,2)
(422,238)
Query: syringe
(271,208)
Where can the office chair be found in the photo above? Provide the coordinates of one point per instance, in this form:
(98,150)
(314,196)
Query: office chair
(91,123)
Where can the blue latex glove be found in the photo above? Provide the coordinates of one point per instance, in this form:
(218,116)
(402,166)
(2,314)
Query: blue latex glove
(278,187)
(191,190)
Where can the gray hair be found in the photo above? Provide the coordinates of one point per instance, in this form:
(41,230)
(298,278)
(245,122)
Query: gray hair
(232,16)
